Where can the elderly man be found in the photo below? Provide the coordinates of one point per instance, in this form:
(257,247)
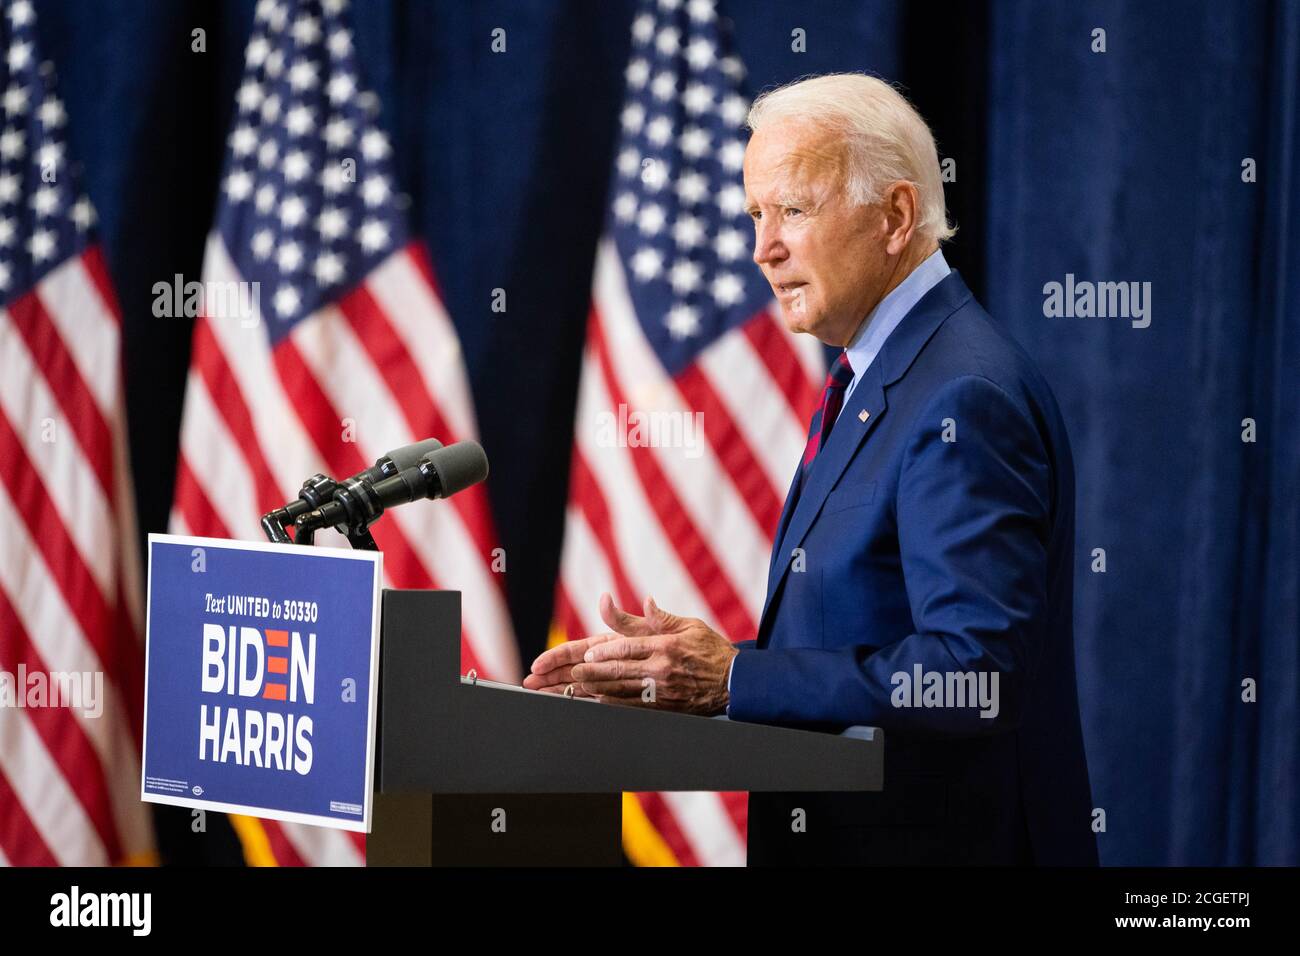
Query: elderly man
(921,580)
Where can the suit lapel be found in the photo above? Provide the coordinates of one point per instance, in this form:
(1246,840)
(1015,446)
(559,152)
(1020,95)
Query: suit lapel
(865,407)
(787,510)
(861,412)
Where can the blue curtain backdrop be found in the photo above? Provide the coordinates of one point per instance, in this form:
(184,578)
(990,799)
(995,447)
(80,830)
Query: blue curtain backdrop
(1127,166)
(1117,166)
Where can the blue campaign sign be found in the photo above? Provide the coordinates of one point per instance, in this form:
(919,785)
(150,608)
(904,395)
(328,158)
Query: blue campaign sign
(260,679)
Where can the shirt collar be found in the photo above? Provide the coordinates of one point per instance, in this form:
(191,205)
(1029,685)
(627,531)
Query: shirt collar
(884,318)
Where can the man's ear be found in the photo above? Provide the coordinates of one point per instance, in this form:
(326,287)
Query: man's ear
(902,209)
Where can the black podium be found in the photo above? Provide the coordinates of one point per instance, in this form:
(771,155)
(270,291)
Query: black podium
(477,773)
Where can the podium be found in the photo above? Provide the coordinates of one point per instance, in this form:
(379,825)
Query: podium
(476,773)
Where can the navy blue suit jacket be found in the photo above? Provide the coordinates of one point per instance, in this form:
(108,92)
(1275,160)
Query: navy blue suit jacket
(935,528)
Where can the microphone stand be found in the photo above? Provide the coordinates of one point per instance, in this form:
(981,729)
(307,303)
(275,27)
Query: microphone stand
(362,508)
(316,491)
(305,534)
(362,540)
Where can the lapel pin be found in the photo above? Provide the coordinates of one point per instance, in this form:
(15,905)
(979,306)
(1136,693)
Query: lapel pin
(863,415)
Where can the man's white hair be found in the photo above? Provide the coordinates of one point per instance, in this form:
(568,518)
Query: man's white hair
(886,137)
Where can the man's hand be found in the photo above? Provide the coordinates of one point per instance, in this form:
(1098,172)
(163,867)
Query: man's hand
(678,663)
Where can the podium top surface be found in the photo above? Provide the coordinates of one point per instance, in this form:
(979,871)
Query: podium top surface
(444,733)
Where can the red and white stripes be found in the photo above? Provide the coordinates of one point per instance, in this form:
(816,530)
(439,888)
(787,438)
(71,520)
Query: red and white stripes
(379,368)
(69,576)
(693,527)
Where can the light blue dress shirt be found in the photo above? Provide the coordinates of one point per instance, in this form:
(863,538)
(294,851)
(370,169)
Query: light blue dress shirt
(884,318)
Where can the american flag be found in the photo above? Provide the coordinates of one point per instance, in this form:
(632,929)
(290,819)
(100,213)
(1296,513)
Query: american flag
(681,323)
(352,353)
(69,571)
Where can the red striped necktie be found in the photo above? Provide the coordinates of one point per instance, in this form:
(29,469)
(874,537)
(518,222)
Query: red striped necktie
(823,419)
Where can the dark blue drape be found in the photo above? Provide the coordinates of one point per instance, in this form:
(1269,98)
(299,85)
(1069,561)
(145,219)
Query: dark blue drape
(1127,166)
(1122,166)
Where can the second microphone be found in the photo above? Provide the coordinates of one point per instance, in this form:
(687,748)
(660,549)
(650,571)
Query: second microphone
(359,502)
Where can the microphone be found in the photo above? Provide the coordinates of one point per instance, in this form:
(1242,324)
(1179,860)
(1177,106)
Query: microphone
(398,460)
(319,489)
(358,502)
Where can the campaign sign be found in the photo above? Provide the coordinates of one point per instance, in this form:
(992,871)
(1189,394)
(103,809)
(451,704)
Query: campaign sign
(260,679)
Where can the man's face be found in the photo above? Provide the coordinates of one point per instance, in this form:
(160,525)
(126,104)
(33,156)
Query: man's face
(823,256)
